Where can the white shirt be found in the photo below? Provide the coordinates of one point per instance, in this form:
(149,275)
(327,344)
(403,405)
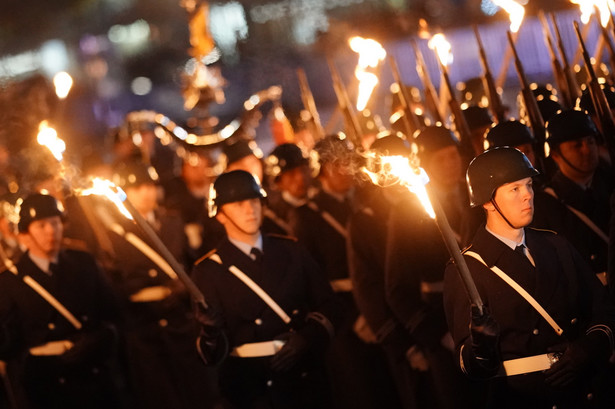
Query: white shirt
(513,244)
(247,248)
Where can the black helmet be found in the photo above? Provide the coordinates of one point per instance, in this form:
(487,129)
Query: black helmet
(543,91)
(548,108)
(509,133)
(233,186)
(569,125)
(36,207)
(585,100)
(477,117)
(239,149)
(432,139)
(388,144)
(284,157)
(134,173)
(493,168)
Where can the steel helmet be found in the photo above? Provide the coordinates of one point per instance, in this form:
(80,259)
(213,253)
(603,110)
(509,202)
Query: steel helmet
(284,157)
(569,125)
(36,207)
(509,133)
(494,168)
(233,186)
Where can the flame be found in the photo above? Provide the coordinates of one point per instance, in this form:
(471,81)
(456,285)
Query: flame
(516,12)
(48,137)
(588,7)
(442,47)
(106,188)
(371,54)
(398,169)
(62,83)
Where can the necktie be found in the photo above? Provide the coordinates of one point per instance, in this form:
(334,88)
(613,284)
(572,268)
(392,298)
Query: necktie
(521,250)
(53,268)
(257,254)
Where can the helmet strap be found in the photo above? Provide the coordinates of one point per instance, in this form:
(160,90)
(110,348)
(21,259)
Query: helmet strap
(233,222)
(561,155)
(497,208)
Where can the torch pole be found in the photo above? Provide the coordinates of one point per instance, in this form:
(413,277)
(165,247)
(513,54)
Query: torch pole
(453,248)
(193,290)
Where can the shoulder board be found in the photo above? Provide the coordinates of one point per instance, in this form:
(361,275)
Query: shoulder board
(543,230)
(205,257)
(466,249)
(75,244)
(281,236)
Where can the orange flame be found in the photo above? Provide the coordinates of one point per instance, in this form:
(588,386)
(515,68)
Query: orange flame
(399,169)
(106,188)
(587,8)
(48,137)
(371,54)
(516,12)
(442,47)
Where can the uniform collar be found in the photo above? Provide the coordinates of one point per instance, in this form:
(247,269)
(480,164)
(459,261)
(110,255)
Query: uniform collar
(247,248)
(42,263)
(510,243)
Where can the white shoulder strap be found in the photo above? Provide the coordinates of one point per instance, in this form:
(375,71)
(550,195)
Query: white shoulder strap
(256,288)
(332,221)
(521,291)
(582,216)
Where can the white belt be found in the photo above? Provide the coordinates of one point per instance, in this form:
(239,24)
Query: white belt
(529,364)
(52,348)
(151,294)
(343,285)
(258,349)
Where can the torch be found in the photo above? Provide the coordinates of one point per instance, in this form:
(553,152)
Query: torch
(402,170)
(516,13)
(371,54)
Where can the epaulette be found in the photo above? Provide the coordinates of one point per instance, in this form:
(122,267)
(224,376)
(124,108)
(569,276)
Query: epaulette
(281,236)
(545,230)
(75,244)
(205,257)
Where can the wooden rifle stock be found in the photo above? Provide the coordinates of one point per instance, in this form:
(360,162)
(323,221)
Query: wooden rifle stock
(411,121)
(558,71)
(309,104)
(495,102)
(601,105)
(535,118)
(571,82)
(430,93)
(352,124)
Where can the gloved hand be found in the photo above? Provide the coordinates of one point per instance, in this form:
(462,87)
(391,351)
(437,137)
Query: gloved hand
(297,345)
(210,319)
(577,358)
(91,346)
(484,334)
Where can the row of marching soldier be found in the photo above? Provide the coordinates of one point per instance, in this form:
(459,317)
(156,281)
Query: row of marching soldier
(322,289)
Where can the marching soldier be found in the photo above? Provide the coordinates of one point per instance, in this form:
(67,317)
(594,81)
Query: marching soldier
(57,317)
(270,311)
(546,330)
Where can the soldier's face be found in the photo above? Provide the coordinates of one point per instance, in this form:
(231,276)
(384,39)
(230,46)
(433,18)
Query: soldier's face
(516,202)
(242,217)
(295,181)
(582,154)
(44,236)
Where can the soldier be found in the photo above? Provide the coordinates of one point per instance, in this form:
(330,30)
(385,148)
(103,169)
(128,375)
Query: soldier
(540,299)
(244,155)
(271,312)
(57,317)
(479,121)
(514,134)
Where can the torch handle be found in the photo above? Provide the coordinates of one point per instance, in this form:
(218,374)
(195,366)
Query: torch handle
(453,248)
(193,290)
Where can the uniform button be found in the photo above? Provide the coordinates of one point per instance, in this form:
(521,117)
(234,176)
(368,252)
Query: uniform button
(590,396)
(62,381)
(84,318)
(163,323)
(51,326)
(535,332)
(95,370)
(269,383)
(304,374)
(592,257)
(573,321)
(152,273)
(295,312)
(554,407)
(258,321)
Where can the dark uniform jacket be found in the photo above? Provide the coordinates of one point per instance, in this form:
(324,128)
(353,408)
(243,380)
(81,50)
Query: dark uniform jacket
(561,282)
(79,377)
(291,277)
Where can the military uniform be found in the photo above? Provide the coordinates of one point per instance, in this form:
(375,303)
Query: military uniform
(293,280)
(79,377)
(561,282)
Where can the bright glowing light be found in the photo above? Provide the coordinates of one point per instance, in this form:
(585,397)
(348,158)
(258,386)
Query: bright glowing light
(48,137)
(62,82)
(371,54)
(106,188)
(516,12)
(587,8)
(398,169)
(442,47)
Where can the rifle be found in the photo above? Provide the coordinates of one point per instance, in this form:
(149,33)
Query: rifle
(431,100)
(343,101)
(556,66)
(601,105)
(411,121)
(309,104)
(459,120)
(608,42)
(571,81)
(495,102)
(535,118)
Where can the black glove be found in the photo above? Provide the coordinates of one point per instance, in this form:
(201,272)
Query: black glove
(297,345)
(577,358)
(210,319)
(484,335)
(211,343)
(92,346)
